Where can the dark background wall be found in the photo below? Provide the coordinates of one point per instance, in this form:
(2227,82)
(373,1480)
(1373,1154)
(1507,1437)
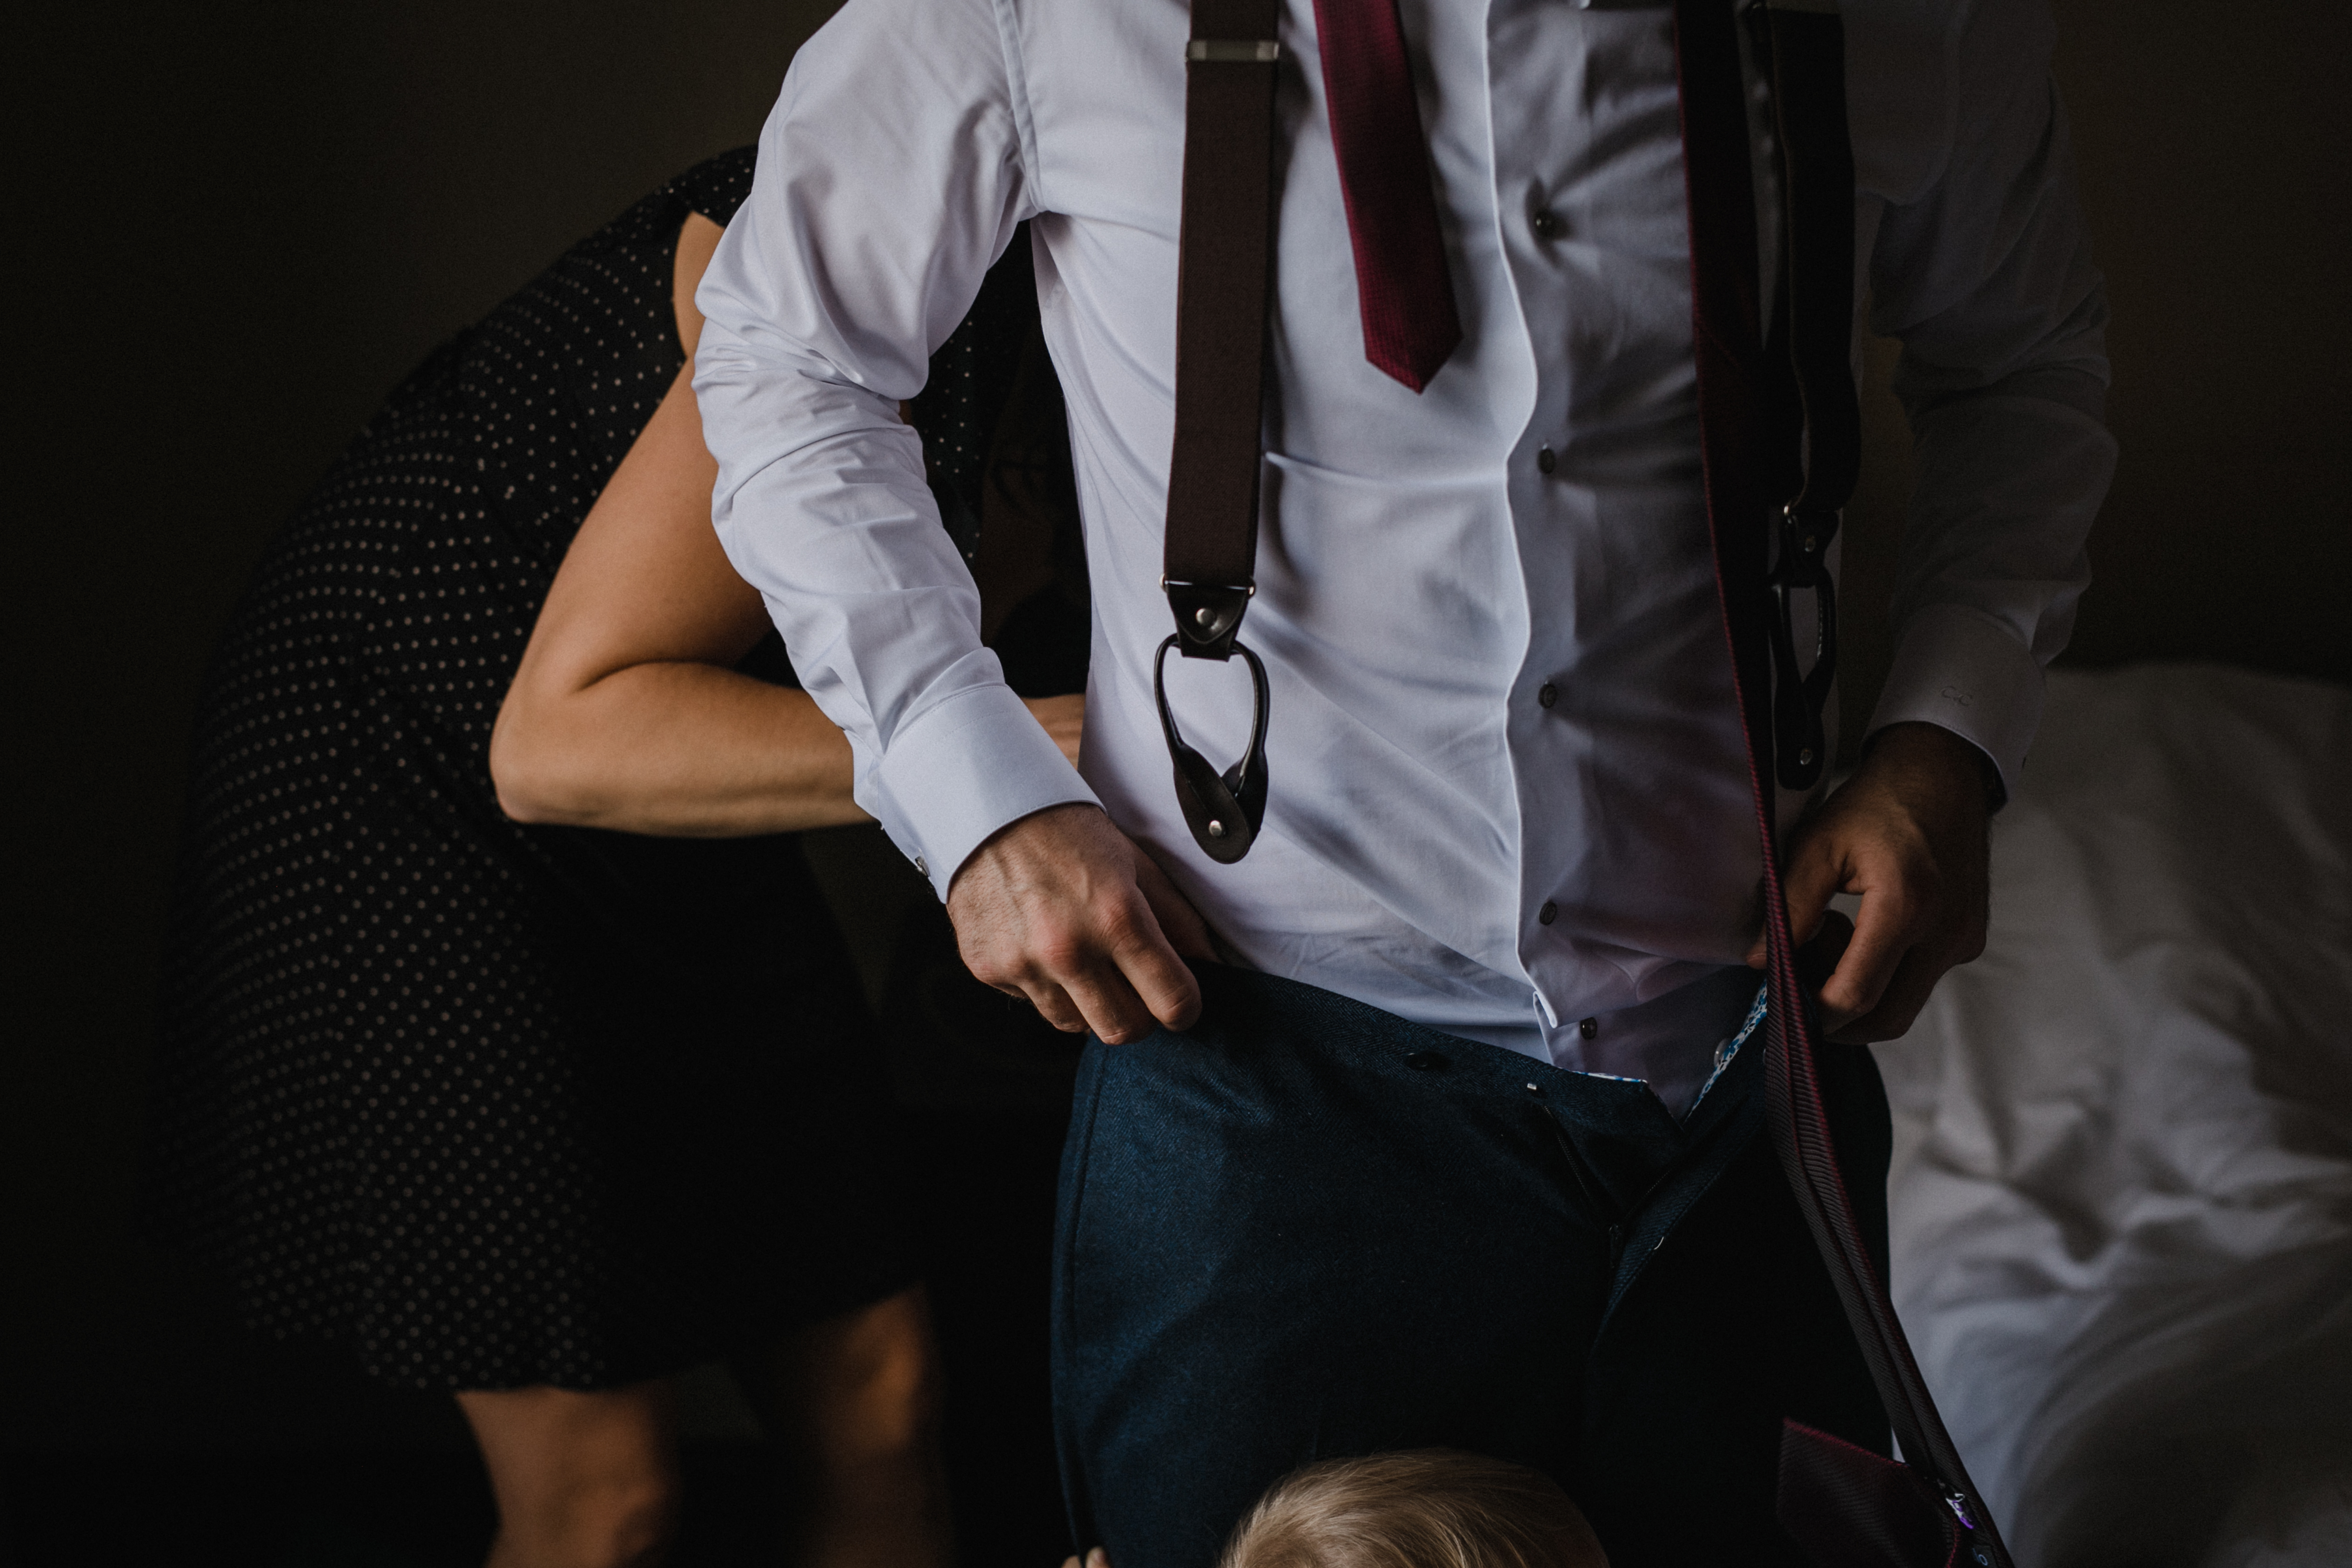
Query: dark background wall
(235,226)
(2212,152)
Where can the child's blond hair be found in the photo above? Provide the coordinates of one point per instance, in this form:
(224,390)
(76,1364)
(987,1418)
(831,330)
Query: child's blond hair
(1428,1508)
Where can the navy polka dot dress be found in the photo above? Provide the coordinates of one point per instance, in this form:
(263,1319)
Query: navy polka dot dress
(498,1105)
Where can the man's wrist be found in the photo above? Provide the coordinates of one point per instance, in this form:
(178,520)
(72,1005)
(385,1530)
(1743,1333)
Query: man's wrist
(961,773)
(1965,671)
(1920,745)
(1013,834)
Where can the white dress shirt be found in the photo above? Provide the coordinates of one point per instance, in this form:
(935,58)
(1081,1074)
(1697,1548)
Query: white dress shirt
(1508,793)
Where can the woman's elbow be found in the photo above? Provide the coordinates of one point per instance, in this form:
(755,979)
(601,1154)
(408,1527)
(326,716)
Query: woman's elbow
(525,773)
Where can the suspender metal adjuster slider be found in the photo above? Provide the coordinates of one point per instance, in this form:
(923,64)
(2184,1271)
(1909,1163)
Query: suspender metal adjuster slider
(1233,51)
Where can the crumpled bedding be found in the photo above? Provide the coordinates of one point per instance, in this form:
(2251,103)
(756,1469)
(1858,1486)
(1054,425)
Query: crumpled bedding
(2122,1186)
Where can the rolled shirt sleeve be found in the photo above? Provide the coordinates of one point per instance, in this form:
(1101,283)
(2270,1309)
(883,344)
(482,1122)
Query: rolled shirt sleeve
(1987,279)
(890,177)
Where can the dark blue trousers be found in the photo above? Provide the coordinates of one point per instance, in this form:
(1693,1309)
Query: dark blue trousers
(1306,1229)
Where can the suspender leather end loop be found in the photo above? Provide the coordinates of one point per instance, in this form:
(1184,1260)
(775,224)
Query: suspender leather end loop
(1223,810)
(1207,616)
(1799,741)
(1224,271)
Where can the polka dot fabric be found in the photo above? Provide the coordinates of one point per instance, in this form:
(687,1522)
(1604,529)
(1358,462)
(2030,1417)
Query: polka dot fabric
(500,1106)
(972,377)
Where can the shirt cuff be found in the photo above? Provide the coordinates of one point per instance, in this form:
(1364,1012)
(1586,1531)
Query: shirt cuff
(973,763)
(1961,671)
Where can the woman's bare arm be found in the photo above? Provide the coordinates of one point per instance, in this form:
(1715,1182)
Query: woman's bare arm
(624,714)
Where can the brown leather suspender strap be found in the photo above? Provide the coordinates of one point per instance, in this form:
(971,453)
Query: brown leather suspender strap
(1223,276)
(1801,45)
(1779,437)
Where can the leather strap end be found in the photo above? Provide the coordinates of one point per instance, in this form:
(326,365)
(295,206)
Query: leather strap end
(1207,616)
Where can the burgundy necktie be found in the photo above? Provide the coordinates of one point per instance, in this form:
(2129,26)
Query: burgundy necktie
(1407,301)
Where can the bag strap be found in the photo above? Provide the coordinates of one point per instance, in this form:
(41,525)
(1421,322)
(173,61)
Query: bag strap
(1757,443)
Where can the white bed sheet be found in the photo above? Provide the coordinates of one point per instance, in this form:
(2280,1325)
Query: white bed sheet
(2123,1173)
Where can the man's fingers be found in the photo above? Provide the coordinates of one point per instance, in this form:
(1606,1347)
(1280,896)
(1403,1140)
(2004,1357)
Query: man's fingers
(1898,1008)
(1814,873)
(1149,965)
(1166,987)
(1057,1007)
(1886,928)
(1114,1011)
(1053,1004)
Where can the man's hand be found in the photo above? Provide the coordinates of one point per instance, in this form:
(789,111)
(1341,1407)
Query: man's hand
(1907,833)
(1062,908)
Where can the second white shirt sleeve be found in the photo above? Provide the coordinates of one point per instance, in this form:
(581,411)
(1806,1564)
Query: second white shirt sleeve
(890,177)
(1988,280)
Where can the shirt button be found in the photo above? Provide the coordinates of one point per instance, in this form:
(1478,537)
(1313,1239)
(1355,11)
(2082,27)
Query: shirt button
(1549,913)
(920,868)
(1589,1027)
(1545,461)
(1547,694)
(1548,223)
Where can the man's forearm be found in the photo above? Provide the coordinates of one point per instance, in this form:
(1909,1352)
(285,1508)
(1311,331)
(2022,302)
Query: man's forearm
(2007,485)
(832,288)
